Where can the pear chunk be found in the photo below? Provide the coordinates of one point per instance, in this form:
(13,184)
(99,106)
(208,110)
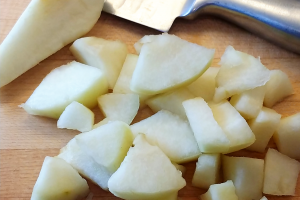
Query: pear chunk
(222,191)
(146,173)
(62,86)
(183,62)
(76,116)
(59,181)
(122,107)
(171,133)
(106,55)
(44,28)
(239,72)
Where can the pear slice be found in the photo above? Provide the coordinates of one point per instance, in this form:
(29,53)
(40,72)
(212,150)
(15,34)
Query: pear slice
(122,107)
(43,29)
(168,62)
(106,55)
(222,191)
(145,173)
(239,72)
(60,181)
(62,86)
(171,133)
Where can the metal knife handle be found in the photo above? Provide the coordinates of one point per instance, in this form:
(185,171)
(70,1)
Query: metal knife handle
(275,20)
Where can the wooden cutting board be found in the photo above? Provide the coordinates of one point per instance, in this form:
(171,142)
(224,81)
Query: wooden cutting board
(25,140)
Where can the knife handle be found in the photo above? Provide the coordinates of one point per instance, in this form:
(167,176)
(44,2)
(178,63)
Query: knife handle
(277,21)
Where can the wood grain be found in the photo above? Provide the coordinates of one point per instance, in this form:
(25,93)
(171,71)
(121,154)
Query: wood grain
(25,140)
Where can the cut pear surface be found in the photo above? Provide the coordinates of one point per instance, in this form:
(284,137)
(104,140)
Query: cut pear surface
(59,181)
(77,117)
(171,133)
(171,101)
(107,144)
(233,124)
(222,191)
(209,135)
(122,107)
(62,86)
(85,164)
(168,62)
(43,29)
(106,55)
(239,72)
(145,173)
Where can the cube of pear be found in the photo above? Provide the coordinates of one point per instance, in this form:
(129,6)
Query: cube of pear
(60,181)
(209,135)
(222,191)
(180,168)
(77,117)
(277,88)
(183,62)
(146,39)
(233,124)
(171,133)
(287,136)
(249,102)
(205,85)
(102,122)
(171,101)
(239,72)
(264,198)
(146,173)
(123,82)
(107,144)
(281,174)
(43,29)
(263,127)
(62,86)
(246,174)
(106,55)
(122,107)
(85,164)
(207,170)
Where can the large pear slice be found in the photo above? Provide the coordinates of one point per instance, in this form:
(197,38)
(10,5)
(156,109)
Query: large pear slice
(62,86)
(60,181)
(167,62)
(146,173)
(44,28)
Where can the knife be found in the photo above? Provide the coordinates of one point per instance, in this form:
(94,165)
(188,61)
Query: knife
(277,21)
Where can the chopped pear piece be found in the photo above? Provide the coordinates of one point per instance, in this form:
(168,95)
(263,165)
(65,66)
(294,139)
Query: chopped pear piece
(62,86)
(249,102)
(123,82)
(233,124)
(171,133)
(180,168)
(77,117)
(146,39)
(171,101)
(222,191)
(43,29)
(145,173)
(85,164)
(281,174)
(122,107)
(102,122)
(263,127)
(205,85)
(207,170)
(168,62)
(277,88)
(247,175)
(209,135)
(59,181)
(239,72)
(107,144)
(106,55)
(287,136)
(264,198)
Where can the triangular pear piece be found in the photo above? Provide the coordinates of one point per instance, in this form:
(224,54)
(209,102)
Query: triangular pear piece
(106,55)
(43,29)
(60,181)
(222,191)
(145,173)
(167,62)
(122,107)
